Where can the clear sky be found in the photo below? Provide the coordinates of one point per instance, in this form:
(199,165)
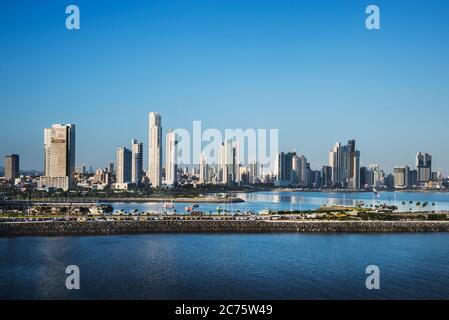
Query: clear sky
(309,68)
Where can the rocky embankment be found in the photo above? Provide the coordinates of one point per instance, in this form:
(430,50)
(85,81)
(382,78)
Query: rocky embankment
(142,227)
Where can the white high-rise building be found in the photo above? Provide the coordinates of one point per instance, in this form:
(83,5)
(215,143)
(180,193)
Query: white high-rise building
(378,176)
(229,163)
(401,177)
(254,172)
(59,156)
(47,148)
(123,165)
(204,169)
(345,163)
(155,149)
(136,161)
(171,166)
(300,173)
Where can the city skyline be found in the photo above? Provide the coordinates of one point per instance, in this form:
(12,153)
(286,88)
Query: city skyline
(137,167)
(343,169)
(316,74)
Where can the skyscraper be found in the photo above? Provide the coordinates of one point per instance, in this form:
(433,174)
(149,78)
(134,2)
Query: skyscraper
(59,155)
(335,162)
(155,149)
(283,168)
(123,165)
(254,172)
(354,180)
(424,167)
(136,161)
(204,169)
(377,176)
(111,168)
(326,175)
(229,163)
(12,166)
(300,173)
(47,148)
(345,163)
(171,158)
(401,177)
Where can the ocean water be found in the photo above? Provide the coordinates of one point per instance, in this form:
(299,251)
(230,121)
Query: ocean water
(281,200)
(226,266)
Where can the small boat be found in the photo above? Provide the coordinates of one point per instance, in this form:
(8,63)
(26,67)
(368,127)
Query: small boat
(196,205)
(188,209)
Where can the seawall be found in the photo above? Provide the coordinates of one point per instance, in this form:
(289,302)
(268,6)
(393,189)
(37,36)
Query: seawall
(142,227)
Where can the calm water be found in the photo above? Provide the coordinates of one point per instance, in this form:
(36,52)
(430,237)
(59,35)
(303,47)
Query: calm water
(277,200)
(227,266)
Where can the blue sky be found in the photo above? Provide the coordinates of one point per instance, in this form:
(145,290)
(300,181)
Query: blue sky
(309,68)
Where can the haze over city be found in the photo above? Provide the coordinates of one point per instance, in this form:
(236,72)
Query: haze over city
(309,69)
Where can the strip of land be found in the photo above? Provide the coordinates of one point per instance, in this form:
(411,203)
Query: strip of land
(173,199)
(76,228)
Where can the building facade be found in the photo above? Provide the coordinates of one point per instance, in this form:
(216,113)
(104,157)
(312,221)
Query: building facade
(59,157)
(123,166)
(171,163)
(12,167)
(424,167)
(155,149)
(136,161)
(401,177)
(345,163)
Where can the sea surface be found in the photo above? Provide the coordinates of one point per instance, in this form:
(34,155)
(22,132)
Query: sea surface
(226,266)
(281,200)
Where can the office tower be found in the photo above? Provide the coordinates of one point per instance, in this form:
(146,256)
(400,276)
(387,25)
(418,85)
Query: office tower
(300,174)
(354,166)
(377,175)
(229,162)
(345,163)
(326,176)
(424,167)
(309,175)
(123,165)
(413,178)
(317,181)
(355,170)
(363,177)
(254,173)
(204,169)
(59,155)
(47,148)
(283,168)
(296,168)
(401,177)
(155,149)
(12,167)
(437,176)
(171,158)
(111,168)
(244,175)
(136,161)
(389,181)
(335,162)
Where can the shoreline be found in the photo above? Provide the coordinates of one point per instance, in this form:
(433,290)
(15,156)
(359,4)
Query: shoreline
(90,228)
(174,200)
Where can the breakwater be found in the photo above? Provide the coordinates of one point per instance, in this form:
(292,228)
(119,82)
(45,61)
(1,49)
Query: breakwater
(142,227)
